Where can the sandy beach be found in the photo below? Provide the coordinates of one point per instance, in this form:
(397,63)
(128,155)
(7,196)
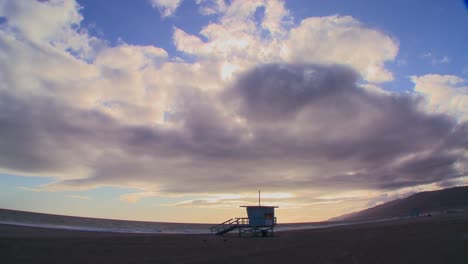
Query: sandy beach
(441,239)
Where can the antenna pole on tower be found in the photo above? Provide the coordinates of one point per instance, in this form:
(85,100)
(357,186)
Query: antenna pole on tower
(258,197)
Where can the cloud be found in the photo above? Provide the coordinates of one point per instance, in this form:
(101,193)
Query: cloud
(135,197)
(79,197)
(238,38)
(444,59)
(166,7)
(402,62)
(300,126)
(41,21)
(465,70)
(50,23)
(282,91)
(443,93)
(138,57)
(344,40)
(436,60)
(251,109)
(283,200)
(288,201)
(29,189)
(212,7)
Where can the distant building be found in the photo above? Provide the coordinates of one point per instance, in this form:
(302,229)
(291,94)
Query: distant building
(415,212)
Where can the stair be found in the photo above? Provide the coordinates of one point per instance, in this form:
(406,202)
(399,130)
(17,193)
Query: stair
(229,225)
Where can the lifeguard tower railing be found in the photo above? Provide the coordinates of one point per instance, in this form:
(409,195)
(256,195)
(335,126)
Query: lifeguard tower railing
(243,225)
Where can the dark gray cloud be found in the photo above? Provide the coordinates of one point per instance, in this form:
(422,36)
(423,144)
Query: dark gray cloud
(40,135)
(298,127)
(276,91)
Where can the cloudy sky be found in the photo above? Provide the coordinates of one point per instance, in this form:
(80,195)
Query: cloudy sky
(180,110)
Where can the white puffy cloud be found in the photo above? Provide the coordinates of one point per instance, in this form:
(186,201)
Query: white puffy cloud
(343,40)
(443,93)
(166,7)
(52,22)
(237,37)
(276,18)
(130,57)
(39,21)
(212,7)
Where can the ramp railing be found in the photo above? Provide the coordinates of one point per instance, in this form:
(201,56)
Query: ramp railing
(229,225)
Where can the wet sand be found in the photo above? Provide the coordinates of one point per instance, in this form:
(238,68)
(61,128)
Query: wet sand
(441,239)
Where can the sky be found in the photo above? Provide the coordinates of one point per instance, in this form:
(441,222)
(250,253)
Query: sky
(180,111)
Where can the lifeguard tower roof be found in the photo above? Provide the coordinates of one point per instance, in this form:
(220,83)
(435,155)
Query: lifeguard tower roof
(273,206)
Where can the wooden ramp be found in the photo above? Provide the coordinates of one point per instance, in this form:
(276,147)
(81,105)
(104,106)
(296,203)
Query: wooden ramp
(243,226)
(229,225)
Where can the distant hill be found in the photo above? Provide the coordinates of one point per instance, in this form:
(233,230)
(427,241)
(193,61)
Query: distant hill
(434,202)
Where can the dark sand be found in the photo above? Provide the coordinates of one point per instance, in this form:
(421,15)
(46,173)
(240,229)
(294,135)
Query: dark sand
(441,239)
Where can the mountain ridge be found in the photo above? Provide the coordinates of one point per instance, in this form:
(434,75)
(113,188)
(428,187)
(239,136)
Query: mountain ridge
(428,202)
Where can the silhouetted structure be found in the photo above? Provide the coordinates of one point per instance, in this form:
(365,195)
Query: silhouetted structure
(415,212)
(260,220)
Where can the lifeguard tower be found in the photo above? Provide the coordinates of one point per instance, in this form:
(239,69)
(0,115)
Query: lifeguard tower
(260,220)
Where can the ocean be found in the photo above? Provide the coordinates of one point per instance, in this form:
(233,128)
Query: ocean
(30,219)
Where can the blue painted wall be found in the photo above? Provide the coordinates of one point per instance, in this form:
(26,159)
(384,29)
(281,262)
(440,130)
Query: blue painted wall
(261,215)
